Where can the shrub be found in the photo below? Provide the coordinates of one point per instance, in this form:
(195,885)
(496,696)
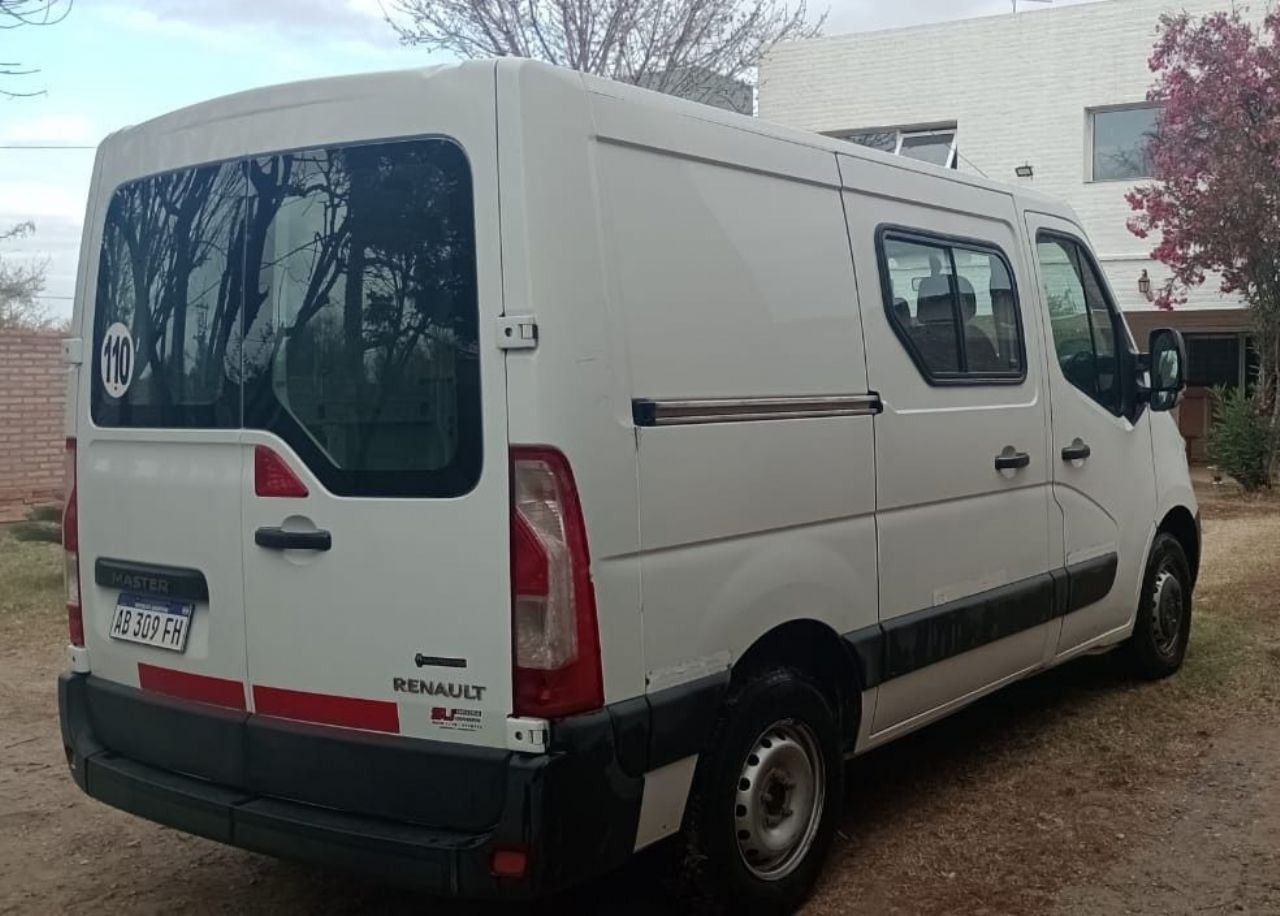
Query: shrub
(43,523)
(47,532)
(49,512)
(1242,440)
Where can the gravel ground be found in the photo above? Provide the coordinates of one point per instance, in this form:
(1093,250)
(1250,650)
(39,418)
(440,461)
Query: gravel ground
(1077,792)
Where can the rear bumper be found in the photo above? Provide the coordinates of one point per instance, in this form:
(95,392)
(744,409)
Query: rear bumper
(421,813)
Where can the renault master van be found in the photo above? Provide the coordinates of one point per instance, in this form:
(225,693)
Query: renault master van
(481,473)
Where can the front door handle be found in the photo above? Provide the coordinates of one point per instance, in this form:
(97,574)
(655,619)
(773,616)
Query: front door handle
(279,539)
(1009,460)
(1076,451)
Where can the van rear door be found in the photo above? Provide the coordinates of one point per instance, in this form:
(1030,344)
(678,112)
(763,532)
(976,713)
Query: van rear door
(294,443)
(375,503)
(158,439)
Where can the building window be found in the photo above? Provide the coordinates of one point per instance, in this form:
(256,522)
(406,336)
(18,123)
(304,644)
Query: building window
(1224,359)
(1119,142)
(953,305)
(934,145)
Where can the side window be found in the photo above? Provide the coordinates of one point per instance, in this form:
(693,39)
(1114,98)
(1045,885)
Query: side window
(954,306)
(1084,331)
(166,310)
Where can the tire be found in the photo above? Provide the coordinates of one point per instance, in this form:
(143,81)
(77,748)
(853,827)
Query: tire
(1162,627)
(758,828)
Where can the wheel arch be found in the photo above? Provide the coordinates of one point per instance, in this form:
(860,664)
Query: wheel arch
(815,649)
(1185,528)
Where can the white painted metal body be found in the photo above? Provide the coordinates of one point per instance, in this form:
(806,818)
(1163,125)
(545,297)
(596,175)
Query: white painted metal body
(659,250)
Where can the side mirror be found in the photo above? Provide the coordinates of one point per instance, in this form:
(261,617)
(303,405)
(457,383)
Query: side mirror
(1167,361)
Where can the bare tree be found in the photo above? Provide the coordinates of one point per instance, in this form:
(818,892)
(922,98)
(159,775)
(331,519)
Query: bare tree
(682,47)
(20,288)
(17,13)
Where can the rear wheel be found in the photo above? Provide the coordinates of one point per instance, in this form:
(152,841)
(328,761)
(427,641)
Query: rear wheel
(1163,625)
(766,795)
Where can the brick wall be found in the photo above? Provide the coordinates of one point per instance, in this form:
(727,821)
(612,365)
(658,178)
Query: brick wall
(32,392)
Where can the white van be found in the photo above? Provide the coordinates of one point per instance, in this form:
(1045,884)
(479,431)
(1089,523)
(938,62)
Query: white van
(484,472)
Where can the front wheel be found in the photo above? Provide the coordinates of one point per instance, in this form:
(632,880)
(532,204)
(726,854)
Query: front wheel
(766,795)
(1163,625)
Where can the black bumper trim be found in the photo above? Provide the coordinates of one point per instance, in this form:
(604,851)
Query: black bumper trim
(574,809)
(402,853)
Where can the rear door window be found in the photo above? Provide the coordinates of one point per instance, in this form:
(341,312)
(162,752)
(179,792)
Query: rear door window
(328,296)
(361,345)
(168,301)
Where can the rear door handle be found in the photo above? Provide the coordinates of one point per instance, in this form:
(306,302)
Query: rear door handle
(1009,460)
(279,539)
(1076,451)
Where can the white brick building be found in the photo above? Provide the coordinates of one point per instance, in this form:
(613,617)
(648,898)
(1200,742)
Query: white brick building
(1027,89)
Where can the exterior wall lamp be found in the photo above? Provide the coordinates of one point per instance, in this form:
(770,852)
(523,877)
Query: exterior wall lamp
(1144,285)
(1024,171)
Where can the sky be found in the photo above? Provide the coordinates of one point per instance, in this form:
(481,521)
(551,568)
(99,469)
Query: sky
(111,63)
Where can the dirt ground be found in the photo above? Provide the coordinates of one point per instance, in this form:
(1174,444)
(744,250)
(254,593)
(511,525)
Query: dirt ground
(1078,792)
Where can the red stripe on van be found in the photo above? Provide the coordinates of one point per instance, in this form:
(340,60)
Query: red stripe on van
(217,691)
(349,712)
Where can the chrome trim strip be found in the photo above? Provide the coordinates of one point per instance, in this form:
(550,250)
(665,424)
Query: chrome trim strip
(680,412)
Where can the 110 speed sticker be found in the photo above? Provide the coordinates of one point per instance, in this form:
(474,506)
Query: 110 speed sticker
(117,360)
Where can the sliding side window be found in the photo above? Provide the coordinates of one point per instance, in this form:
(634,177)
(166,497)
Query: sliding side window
(954,306)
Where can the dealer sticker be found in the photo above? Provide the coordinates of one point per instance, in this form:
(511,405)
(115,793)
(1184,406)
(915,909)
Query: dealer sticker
(461,720)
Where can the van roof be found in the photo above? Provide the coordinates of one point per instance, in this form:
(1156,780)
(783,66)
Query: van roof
(811,139)
(287,95)
(394,83)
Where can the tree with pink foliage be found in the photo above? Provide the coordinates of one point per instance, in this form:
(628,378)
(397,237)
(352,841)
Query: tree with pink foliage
(1214,208)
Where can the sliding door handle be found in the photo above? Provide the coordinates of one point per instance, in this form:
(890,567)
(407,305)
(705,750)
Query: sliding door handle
(279,539)
(1009,460)
(1076,451)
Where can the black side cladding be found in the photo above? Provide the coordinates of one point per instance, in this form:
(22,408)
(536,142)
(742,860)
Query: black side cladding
(913,641)
(933,635)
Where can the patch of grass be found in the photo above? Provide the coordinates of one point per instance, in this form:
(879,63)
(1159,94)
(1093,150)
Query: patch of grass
(30,576)
(43,532)
(49,512)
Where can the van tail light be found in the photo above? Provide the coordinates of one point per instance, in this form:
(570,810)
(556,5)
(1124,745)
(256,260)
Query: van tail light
(555,640)
(272,475)
(71,546)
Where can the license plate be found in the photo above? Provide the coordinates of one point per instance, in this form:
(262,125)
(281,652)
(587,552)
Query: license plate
(152,621)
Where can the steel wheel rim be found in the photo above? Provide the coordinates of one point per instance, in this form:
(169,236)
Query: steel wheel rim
(779,801)
(1167,607)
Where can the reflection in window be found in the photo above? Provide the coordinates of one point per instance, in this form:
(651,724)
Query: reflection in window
(328,296)
(884,140)
(362,323)
(955,306)
(1120,142)
(168,273)
(934,146)
(1084,332)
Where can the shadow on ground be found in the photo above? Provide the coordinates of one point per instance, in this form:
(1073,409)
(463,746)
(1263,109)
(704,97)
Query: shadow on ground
(883,786)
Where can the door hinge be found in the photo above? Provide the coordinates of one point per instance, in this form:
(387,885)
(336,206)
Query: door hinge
(517,332)
(528,735)
(72,351)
